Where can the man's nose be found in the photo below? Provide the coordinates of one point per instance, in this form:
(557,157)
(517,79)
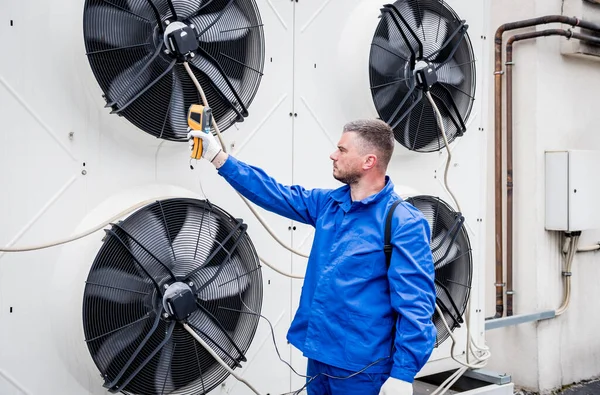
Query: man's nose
(332,156)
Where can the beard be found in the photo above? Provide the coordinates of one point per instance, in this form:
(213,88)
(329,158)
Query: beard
(348,177)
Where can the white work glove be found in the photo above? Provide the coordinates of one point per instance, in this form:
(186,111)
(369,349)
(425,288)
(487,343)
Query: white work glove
(210,145)
(394,386)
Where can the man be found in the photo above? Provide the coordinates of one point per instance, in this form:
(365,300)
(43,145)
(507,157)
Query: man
(354,312)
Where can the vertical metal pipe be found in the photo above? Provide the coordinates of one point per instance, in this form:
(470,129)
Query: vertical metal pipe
(509,144)
(498,170)
(509,180)
(498,72)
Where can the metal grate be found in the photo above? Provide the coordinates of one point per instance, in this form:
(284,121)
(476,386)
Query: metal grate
(125,44)
(137,348)
(410,35)
(452,259)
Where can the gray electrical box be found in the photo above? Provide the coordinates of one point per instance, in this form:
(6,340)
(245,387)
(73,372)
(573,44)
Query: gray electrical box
(572,190)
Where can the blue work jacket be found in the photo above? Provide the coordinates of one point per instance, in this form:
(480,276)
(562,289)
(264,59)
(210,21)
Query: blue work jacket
(350,299)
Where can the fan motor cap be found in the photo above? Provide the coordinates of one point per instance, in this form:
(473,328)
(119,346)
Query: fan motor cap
(425,74)
(179,301)
(181,39)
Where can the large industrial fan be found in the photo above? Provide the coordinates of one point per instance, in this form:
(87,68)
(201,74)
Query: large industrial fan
(172,262)
(136,49)
(452,259)
(422,45)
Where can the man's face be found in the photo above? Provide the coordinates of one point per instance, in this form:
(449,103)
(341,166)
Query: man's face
(347,159)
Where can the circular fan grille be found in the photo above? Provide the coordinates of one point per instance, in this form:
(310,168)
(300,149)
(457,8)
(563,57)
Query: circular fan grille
(416,34)
(135,345)
(452,261)
(125,44)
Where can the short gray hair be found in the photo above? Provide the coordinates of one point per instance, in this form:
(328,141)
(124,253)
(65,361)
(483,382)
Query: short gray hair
(377,134)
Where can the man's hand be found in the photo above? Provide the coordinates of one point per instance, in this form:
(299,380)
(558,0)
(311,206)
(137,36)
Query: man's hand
(210,145)
(394,386)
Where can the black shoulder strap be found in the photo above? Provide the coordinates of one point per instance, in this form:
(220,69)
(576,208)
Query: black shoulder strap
(387,239)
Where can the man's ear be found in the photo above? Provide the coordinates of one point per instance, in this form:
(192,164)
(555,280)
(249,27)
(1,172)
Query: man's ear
(370,162)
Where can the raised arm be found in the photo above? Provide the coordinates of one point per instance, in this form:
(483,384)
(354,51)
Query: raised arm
(293,202)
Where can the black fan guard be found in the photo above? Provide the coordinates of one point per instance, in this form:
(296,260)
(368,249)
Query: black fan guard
(413,34)
(125,47)
(136,347)
(452,259)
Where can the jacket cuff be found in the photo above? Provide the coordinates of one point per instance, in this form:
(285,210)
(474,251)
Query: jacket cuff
(228,167)
(403,374)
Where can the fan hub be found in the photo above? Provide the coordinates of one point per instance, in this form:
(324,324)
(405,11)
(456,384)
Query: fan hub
(425,74)
(179,301)
(181,40)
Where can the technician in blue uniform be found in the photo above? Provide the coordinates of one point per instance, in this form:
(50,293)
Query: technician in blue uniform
(350,300)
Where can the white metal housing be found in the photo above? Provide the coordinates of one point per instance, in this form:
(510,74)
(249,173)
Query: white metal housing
(63,155)
(572,190)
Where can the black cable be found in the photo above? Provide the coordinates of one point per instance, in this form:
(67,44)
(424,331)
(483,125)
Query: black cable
(311,378)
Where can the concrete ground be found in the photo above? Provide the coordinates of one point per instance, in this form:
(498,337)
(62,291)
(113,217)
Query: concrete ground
(591,388)
(588,388)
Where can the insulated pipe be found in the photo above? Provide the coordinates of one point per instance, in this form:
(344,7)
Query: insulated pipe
(509,144)
(498,72)
(591,248)
(569,249)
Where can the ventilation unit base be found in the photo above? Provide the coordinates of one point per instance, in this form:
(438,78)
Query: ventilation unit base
(587,10)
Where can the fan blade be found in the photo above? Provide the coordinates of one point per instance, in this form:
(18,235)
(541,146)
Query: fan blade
(127,84)
(449,309)
(396,23)
(133,377)
(152,255)
(223,325)
(227,85)
(165,381)
(442,103)
(450,44)
(177,112)
(389,95)
(402,111)
(396,44)
(186,8)
(223,106)
(139,7)
(436,29)
(143,260)
(415,18)
(431,214)
(213,335)
(389,60)
(195,239)
(448,251)
(212,31)
(116,343)
(206,236)
(449,73)
(409,24)
(117,286)
(448,103)
(224,281)
(405,135)
(115,27)
(207,254)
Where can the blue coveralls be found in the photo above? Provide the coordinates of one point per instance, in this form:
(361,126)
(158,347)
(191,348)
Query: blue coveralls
(350,298)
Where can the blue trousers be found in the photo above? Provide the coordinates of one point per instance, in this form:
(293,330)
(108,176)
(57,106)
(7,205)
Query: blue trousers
(360,384)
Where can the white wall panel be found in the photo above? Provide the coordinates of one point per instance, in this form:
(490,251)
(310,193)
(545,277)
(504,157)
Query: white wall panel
(53,121)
